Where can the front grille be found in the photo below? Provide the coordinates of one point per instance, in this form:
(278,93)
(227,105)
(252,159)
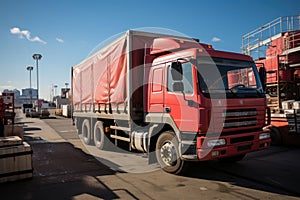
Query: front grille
(240,113)
(241,139)
(240,122)
(239,118)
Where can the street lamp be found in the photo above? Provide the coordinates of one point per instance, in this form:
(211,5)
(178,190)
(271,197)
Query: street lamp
(55,87)
(37,57)
(30,68)
(66,91)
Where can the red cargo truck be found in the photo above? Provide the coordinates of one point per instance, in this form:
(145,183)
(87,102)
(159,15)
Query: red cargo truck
(171,97)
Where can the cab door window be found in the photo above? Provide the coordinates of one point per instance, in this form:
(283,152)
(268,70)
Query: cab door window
(187,79)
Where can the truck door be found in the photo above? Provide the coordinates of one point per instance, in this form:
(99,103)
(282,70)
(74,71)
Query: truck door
(182,106)
(156,97)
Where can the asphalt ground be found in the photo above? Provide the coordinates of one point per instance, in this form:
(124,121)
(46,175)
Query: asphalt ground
(65,169)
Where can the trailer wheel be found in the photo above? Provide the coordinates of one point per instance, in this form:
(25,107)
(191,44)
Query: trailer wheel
(100,139)
(167,153)
(78,127)
(86,131)
(275,136)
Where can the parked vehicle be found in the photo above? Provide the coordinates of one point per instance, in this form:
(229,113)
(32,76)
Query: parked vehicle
(34,113)
(27,106)
(66,111)
(27,112)
(171,97)
(44,113)
(58,112)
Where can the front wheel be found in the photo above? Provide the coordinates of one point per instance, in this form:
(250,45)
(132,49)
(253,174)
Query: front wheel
(167,153)
(276,138)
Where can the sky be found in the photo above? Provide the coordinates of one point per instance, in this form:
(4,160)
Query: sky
(64,32)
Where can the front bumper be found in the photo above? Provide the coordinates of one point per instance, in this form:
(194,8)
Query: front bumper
(235,145)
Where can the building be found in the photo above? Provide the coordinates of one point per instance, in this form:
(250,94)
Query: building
(16,92)
(23,98)
(26,93)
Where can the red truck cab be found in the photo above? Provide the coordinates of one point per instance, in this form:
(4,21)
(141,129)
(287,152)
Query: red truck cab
(215,99)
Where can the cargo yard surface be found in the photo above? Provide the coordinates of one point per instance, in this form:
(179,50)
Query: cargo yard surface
(64,169)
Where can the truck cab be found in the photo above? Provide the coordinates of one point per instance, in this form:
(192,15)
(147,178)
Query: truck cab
(214,102)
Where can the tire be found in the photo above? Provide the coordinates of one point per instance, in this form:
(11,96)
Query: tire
(86,131)
(78,126)
(100,139)
(167,153)
(233,159)
(276,138)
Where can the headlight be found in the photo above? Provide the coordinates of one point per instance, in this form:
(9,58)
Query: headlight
(217,142)
(264,136)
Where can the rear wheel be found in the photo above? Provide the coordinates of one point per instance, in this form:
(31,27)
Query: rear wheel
(100,139)
(78,126)
(86,131)
(167,153)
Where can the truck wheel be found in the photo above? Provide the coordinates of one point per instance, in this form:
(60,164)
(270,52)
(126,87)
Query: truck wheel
(167,153)
(100,139)
(275,136)
(233,158)
(86,131)
(78,127)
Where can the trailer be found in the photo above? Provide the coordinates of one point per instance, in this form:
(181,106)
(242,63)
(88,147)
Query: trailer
(66,111)
(27,107)
(276,46)
(171,97)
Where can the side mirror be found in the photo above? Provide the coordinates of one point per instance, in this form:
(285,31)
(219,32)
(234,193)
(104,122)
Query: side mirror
(176,71)
(263,77)
(178,86)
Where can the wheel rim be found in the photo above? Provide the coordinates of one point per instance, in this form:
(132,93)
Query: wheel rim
(85,132)
(168,154)
(97,136)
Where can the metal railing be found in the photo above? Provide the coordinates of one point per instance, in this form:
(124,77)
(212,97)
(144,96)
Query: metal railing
(292,41)
(257,41)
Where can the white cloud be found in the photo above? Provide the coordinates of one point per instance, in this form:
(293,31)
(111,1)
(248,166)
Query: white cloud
(215,39)
(60,40)
(26,34)
(8,87)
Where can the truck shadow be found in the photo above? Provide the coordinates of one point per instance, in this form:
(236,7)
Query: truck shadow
(61,171)
(255,175)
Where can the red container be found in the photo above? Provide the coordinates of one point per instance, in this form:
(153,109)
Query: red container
(285,75)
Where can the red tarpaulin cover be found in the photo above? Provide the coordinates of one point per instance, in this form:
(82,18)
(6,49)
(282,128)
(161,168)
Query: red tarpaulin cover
(102,74)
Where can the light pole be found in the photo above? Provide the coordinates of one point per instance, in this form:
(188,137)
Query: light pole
(37,57)
(55,87)
(30,68)
(66,91)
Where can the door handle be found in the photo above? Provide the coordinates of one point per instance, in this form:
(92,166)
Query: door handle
(167,109)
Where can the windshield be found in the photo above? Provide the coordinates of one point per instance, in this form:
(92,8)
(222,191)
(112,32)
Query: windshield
(236,78)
